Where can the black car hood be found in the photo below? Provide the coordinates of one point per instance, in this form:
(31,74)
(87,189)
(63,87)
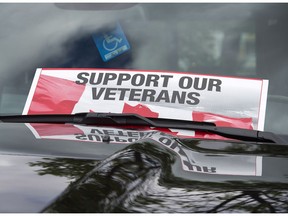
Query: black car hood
(157,173)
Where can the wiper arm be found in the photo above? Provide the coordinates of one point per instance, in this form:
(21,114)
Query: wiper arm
(114,119)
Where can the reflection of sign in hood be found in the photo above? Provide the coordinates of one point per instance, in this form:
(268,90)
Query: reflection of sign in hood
(191,161)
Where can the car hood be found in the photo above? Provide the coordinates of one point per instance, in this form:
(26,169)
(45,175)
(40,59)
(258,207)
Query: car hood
(51,172)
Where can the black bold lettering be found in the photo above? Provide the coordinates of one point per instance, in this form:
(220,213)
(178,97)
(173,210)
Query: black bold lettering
(138,80)
(109,94)
(152,79)
(197,85)
(193,98)
(214,83)
(185,82)
(166,79)
(177,97)
(133,94)
(99,79)
(123,77)
(108,77)
(82,78)
(122,92)
(163,95)
(95,95)
(148,93)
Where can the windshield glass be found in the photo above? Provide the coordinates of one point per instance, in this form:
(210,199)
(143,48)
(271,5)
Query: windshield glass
(239,40)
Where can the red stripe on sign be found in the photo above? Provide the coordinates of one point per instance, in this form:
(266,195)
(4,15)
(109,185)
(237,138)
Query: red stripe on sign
(203,135)
(140,109)
(55,96)
(56,129)
(223,121)
(220,120)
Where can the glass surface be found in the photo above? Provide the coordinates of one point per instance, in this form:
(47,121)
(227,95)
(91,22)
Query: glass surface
(244,40)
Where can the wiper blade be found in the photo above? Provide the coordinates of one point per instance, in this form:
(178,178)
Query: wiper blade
(115,119)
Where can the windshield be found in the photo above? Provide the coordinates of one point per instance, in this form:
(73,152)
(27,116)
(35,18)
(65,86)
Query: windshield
(239,40)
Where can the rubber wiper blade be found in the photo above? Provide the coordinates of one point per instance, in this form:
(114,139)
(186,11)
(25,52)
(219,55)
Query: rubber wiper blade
(115,119)
(101,119)
(228,132)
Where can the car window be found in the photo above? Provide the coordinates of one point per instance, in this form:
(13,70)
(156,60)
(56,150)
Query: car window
(242,40)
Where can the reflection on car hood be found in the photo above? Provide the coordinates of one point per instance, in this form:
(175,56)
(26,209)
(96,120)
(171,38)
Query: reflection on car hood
(156,173)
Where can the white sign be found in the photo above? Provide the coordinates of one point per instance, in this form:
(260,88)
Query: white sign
(227,101)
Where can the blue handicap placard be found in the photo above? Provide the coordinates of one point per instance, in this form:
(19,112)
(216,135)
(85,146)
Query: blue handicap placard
(111,43)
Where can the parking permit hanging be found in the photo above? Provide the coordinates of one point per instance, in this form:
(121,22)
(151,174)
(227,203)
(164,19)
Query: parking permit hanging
(111,43)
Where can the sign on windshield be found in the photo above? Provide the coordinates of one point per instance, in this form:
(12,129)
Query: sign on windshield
(227,101)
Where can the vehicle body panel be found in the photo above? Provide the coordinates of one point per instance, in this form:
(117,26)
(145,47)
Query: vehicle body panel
(144,176)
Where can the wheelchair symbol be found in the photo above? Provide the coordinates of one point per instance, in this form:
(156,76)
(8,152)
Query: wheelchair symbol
(111,42)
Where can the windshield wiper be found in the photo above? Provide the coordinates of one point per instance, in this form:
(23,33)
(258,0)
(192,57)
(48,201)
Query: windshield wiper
(115,119)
